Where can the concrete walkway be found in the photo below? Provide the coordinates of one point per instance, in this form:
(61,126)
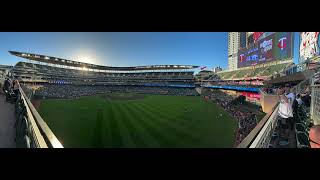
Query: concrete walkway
(7,120)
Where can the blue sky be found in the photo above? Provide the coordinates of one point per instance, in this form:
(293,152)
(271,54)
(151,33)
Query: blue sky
(123,49)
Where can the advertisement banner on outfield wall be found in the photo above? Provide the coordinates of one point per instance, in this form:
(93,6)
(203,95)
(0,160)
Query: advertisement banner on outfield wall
(277,46)
(309,45)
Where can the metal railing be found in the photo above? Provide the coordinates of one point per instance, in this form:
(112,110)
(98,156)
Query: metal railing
(260,136)
(299,87)
(263,139)
(31,129)
(315,104)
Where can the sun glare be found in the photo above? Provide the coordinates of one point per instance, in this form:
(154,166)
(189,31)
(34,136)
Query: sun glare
(85,55)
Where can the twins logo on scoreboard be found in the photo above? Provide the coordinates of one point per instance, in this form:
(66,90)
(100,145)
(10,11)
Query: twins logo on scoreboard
(282,43)
(277,46)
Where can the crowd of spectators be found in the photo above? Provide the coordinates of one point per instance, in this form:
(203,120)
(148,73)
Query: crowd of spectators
(68,91)
(246,120)
(75,91)
(304,94)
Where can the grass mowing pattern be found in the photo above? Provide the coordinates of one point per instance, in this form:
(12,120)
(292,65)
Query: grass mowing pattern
(151,122)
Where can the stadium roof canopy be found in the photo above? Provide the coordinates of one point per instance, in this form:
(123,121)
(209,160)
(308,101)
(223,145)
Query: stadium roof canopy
(65,62)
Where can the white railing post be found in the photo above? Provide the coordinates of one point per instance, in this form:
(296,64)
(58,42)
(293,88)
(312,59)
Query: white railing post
(263,139)
(41,130)
(315,104)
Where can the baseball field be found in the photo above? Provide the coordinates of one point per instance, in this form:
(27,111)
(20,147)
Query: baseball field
(139,121)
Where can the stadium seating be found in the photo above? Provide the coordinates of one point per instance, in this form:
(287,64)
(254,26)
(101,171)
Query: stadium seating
(242,73)
(273,69)
(302,127)
(52,73)
(74,91)
(261,71)
(302,140)
(225,75)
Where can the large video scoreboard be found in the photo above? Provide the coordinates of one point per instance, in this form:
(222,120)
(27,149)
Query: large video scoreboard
(277,46)
(309,45)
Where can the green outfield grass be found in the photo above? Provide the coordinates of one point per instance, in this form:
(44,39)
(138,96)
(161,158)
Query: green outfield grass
(149,121)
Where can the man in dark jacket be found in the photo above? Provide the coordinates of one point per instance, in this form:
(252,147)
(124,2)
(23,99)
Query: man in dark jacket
(305,96)
(295,104)
(6,85)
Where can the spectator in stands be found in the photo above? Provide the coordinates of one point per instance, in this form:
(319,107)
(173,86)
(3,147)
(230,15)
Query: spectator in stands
(299,100)
(305,96)
(246,120)
(15,87)
(285,113)
(314,136)
(307,89)
(7,85)
(296,103)
(275,90)
(288,92)
(291,97)
(279,90)
(71,91)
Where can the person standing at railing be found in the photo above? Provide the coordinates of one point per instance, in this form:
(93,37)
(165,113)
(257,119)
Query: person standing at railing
(7,84)
(279,90)
(299,100)
(297,103)
(16,87)
(285,113)
(291,97)
(305,96)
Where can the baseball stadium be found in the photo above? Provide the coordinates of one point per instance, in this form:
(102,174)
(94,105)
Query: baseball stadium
(98,106)
(61,103)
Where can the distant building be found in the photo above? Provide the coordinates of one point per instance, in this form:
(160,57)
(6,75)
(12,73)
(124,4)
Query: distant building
(217,69)
(233,47)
